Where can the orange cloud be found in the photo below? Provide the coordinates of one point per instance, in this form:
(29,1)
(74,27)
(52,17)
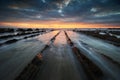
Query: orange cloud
(55,24)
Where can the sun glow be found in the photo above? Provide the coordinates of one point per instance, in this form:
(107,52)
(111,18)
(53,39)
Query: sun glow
(55,24)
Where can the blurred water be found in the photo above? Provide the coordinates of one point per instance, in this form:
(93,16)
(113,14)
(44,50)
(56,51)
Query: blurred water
(93,47)
(60,63)
(14,57)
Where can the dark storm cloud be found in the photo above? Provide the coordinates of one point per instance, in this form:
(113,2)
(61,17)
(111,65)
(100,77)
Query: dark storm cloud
(95,11)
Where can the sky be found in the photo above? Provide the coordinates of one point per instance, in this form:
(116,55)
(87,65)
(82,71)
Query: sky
(58,13)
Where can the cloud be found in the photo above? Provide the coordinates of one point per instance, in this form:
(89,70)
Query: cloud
(94,11)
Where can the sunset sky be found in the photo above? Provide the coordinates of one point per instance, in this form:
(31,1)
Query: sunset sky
(60,13)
